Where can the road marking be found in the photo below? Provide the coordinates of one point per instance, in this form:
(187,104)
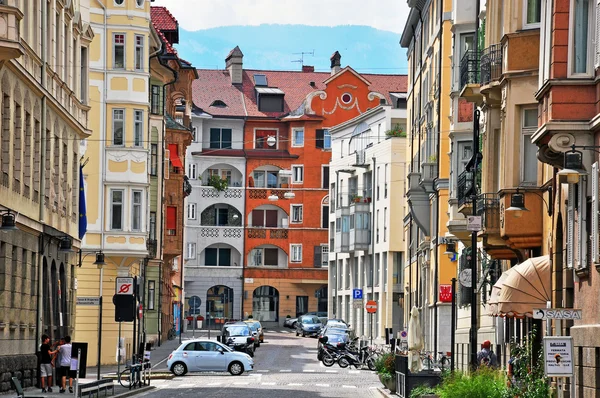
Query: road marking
(354,371)
(373,388)
(294,384)
(213,384)
(263,371)
(308,370)
(185,385)
(268,384)
(322,385)
(331,371)
(241,383)
(285,370)
(348,386)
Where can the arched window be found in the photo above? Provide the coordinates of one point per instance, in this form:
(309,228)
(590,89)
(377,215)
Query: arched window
(265,304)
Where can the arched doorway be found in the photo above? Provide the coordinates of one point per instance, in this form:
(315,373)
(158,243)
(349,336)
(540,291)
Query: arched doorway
(219,302)
(265,304)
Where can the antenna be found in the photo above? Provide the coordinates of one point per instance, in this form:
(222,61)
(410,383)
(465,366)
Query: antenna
(302,54)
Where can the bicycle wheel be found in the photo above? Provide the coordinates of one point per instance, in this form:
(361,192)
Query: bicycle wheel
(371,363)
(427,363)
(125,378)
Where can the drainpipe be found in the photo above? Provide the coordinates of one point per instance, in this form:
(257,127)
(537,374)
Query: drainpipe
(374,183)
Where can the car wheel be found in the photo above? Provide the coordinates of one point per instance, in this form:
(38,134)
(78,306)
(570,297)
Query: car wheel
(294,325)
(258,345)
(236,368)
(179,369)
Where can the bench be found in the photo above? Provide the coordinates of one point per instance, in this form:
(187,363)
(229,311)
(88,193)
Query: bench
(94,387)
(20,393)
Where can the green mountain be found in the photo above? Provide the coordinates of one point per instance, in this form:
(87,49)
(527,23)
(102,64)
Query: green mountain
(276,47)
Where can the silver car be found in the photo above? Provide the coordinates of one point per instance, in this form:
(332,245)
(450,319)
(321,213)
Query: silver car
(208,356)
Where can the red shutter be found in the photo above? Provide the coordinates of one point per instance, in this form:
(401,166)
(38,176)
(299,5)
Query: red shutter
(258,218)
(174,156)
(171,217)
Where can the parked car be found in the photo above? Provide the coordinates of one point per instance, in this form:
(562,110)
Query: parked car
(238,336)
(208,356)
(291,322)
(334,327)
(308,325)
(257,331)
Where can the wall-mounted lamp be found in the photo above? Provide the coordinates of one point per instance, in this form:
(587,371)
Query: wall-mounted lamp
(99,260)
(65,244)
(273,198)
(450,249)
(8,221)
(517,203)
(289,195)
(573,168)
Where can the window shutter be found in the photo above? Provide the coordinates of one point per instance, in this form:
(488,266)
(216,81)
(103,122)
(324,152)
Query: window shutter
(595,225)
(320,141)
(597,34)
(570,225)
(582,240)
(317,259)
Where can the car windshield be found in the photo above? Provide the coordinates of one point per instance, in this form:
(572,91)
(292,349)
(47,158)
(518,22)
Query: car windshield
(253,326)
(238,330)
(334,338)
(311,320)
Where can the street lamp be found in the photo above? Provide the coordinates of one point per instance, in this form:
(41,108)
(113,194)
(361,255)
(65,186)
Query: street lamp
(517,202)
(8,221)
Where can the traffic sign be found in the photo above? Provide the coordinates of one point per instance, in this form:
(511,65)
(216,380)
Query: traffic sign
(195,303)
(558,356)
(357,304)
(474,223)
(371,306)
(357,294)
(556,313)
(125,286)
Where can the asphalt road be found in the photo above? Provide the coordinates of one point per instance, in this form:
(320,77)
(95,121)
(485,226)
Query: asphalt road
(285,366)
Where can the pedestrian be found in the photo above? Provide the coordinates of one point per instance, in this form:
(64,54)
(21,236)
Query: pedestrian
(486,356)
(64,363)
(46,354)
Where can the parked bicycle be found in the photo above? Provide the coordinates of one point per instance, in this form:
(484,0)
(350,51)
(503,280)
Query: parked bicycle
(172,333)
(131,376)
(431,363)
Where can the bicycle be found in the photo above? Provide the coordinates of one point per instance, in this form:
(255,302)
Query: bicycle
(432,363)
(131,376)
(172,333)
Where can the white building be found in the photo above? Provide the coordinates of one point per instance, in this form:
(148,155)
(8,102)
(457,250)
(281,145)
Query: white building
(367,175)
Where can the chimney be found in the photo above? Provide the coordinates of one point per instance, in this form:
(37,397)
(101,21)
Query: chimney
(336,63)
(308,68)
(233,63)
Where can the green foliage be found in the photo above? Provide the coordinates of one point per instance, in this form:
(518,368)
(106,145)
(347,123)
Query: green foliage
(396,131)
(484,383)
(419,391)
(220,184)
(528,379)
(385,366)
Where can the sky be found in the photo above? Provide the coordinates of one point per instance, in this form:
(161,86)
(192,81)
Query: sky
(389,15)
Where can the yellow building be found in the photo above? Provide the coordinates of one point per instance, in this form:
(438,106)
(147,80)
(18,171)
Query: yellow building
(428,37)
(117,175)
(44,115)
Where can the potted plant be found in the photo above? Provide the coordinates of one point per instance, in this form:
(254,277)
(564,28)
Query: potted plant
(218,183)
(288,316)
(396,131)
(385,366)
(250,316)
(356,198)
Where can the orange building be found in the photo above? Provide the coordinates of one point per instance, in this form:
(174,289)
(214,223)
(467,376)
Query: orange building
(287,150)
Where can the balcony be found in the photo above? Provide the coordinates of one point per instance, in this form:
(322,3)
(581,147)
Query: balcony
(264,193)
(491,72)
(464,192)
(10,40)
(271,233)
(488,207)
(470,76)
(429,172)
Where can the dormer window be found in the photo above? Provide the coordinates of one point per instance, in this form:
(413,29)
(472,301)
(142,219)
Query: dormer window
(269,99)
(219,104)
(260,80)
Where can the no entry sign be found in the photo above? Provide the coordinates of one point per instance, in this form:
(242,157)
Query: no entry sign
(371,306)
(124,286)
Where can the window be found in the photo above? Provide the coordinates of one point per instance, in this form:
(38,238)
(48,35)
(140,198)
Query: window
(222,216)
(325,178)
(153,159)
(264,218)
(138,128)
(191,211)
(152,226)
(194,134)
(296,251)
(297,137)
(151,295)
(323,139)
(140,3)
(217,257)
(296,213)
(191,251)
(533,13)
(324,216)
(192,175)
(119,51)
(529,161)
(270,103)
(116,209)
(467,42)
(271,179)
(118,123)
(297,174)
(327,140)
(139,52)
(324,255)
(266,256)
(171,221)
(155,100)
(385,180)
(136,214)
(119,2)
(220,138)
(265,139)
(384,223)
(579,33)
(83,84)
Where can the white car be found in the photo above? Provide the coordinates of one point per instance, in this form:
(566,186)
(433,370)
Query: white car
(208,356)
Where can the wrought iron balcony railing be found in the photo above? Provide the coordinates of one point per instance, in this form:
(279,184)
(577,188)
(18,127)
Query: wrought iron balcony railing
(464,188)
(491,63)
(469,68)
(488,207)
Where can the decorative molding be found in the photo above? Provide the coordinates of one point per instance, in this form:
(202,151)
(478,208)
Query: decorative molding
(308,101)
(374,94)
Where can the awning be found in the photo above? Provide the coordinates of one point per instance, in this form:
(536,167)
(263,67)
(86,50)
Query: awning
(174,156)
(526,286)
(495,294)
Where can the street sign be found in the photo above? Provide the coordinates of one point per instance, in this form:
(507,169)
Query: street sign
(371,306)
(404,335)
(474,223)
(465,277)
(125,286)
(357,294)
(88,300)
(195,303)
(558,356)
(140,311)
(556,313)
(357,304)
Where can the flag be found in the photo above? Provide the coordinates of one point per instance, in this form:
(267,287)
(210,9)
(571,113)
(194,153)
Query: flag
(82,210)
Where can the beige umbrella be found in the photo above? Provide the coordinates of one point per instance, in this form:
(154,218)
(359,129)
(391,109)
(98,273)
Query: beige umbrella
(415,341)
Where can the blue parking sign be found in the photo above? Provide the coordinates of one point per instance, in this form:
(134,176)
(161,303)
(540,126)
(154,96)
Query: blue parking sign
(357,294)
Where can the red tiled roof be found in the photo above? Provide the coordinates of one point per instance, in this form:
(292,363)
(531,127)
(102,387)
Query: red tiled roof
(241,99)
(170,49)
(162,18)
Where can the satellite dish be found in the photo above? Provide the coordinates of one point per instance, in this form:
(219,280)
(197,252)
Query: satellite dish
(271,141)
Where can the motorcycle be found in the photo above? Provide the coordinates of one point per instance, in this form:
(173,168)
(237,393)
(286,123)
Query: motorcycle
(357,359)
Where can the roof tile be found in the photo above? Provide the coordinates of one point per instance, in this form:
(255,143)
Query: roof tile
(162,18)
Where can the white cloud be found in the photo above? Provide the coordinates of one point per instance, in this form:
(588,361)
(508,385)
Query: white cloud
(193,15)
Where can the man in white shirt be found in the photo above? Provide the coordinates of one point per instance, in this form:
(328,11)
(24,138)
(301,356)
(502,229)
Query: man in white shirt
(64,363)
